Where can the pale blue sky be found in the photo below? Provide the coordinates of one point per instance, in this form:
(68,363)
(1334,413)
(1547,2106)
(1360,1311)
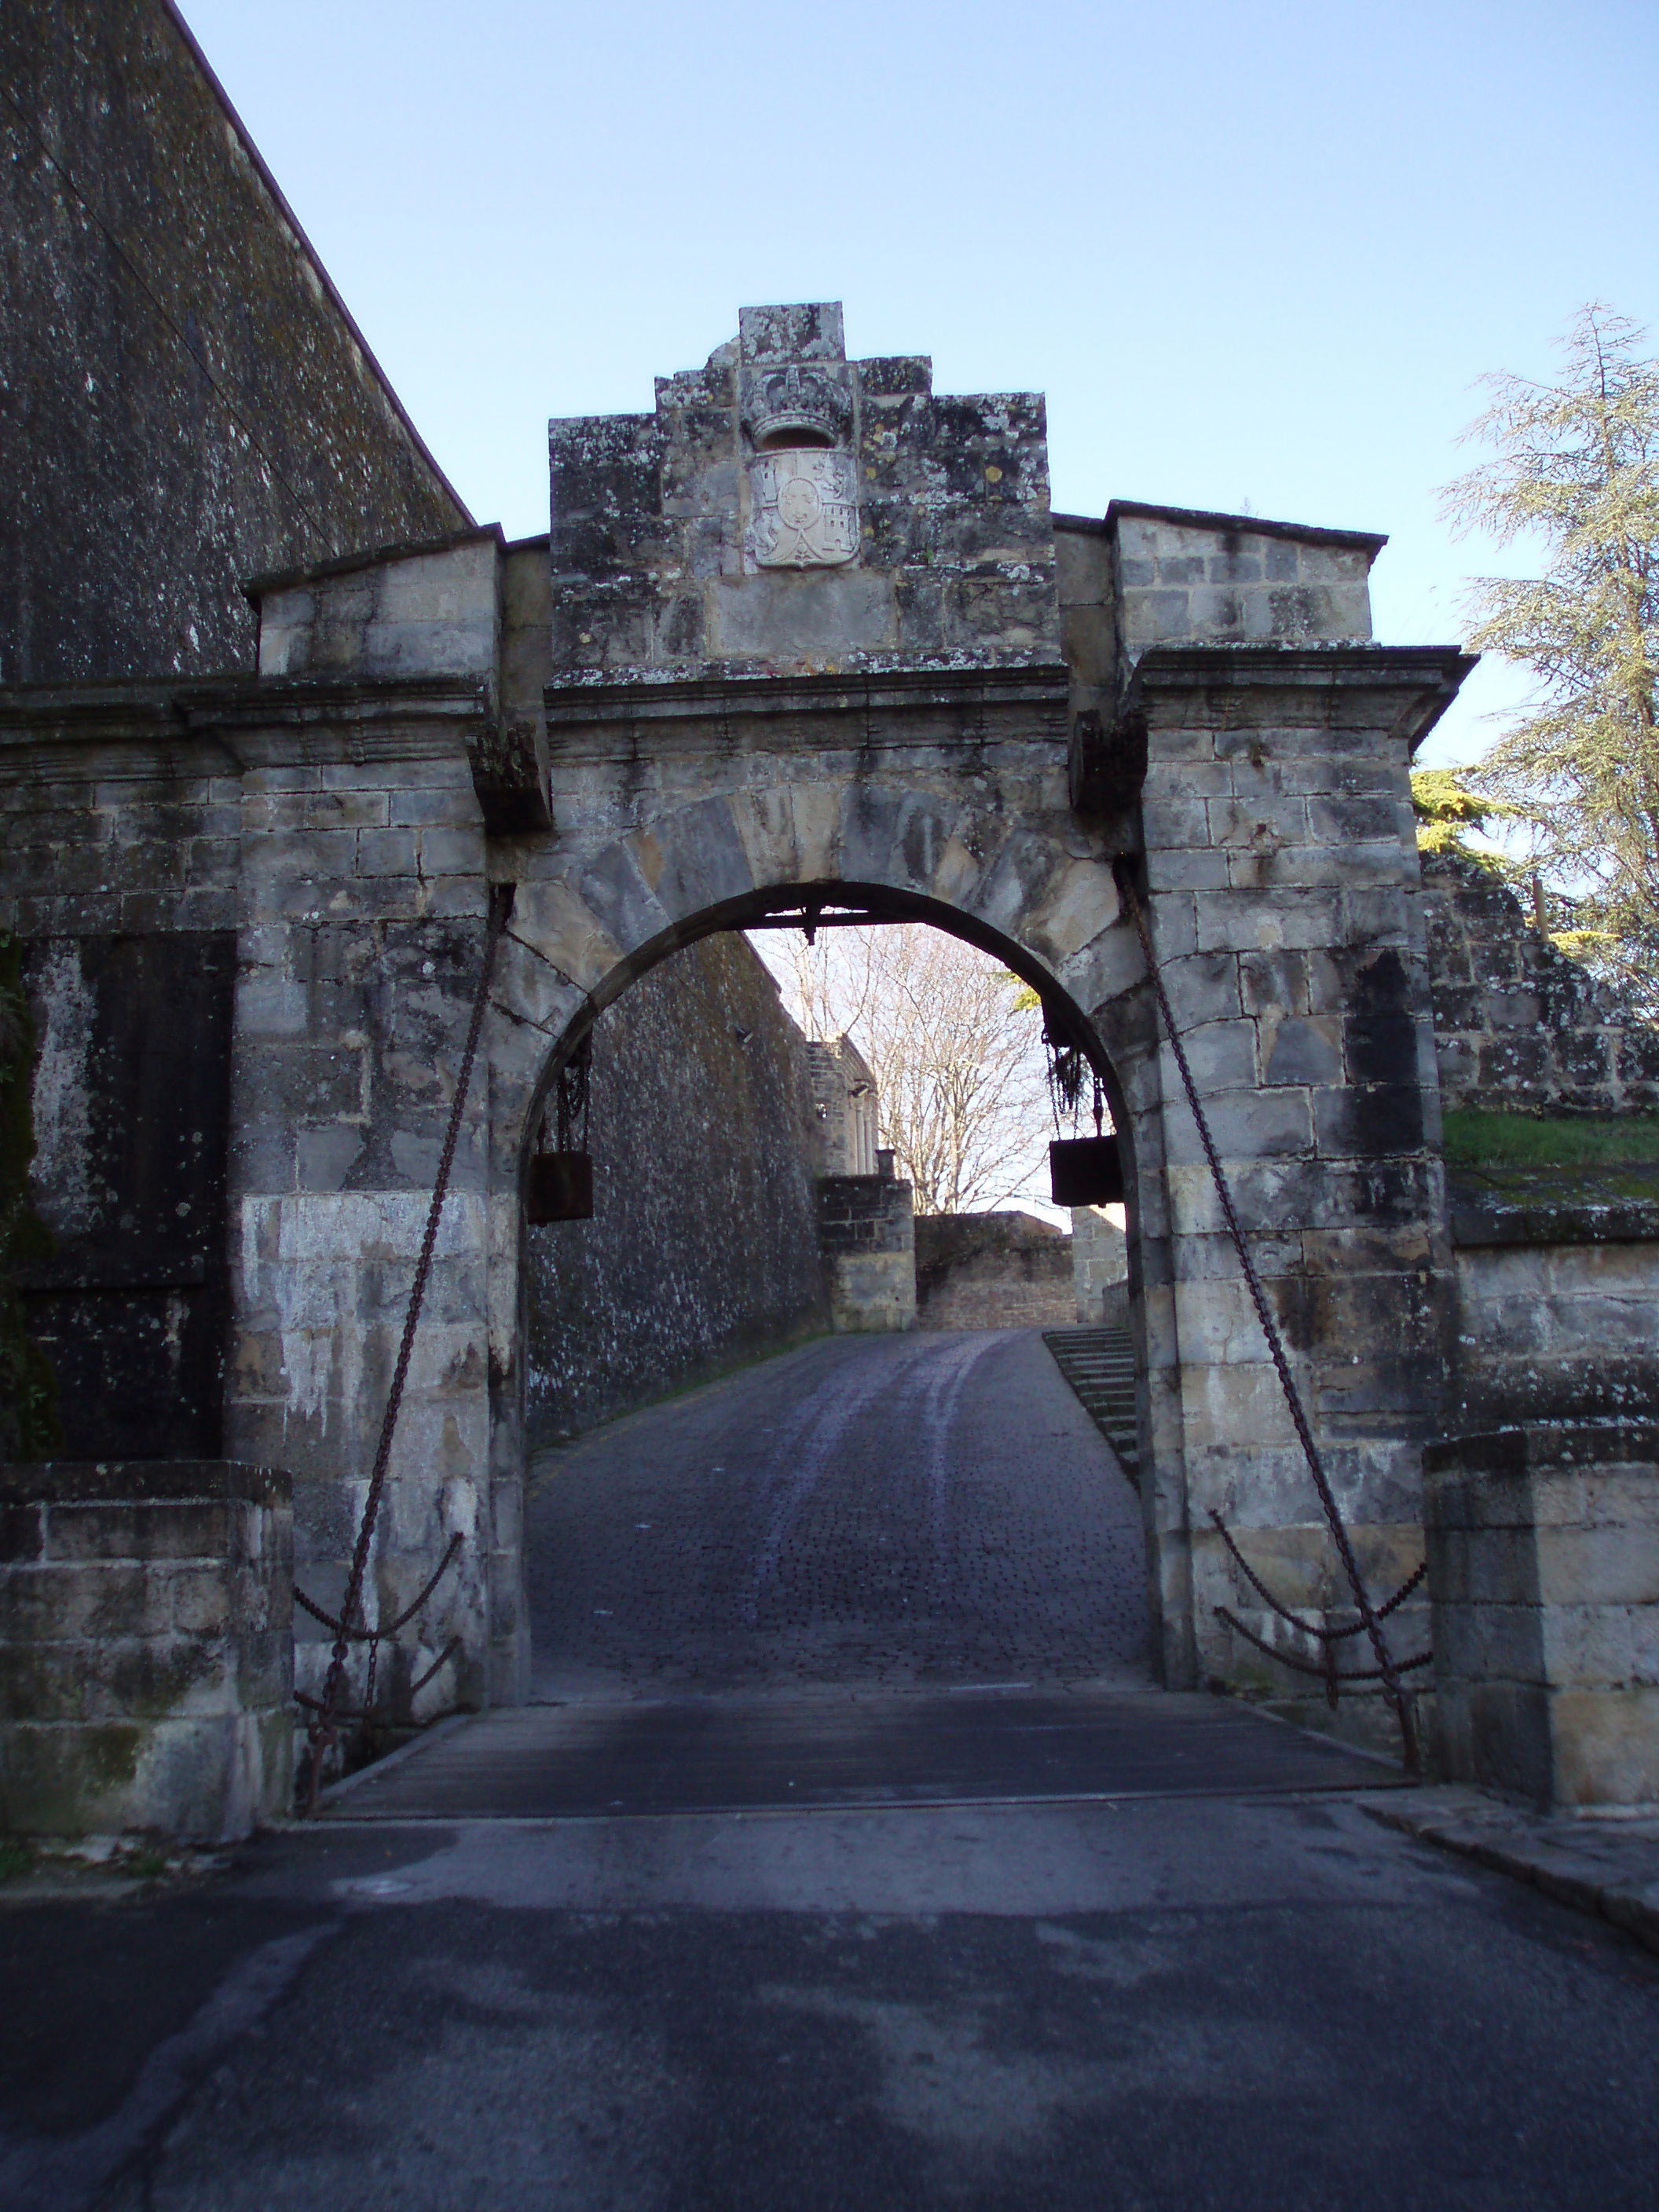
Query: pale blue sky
(1256,255)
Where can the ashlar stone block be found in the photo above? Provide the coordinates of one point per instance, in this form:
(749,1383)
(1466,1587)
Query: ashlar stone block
(1544,1581)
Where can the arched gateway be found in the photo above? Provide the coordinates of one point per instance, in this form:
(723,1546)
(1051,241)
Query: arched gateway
(807,631)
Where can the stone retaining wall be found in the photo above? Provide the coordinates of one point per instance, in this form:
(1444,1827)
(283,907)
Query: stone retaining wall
(993,1271)
(1519,1028)
(146,1647)
(1562,1328)
(866,1232)
(1100,1265)
(702,1249)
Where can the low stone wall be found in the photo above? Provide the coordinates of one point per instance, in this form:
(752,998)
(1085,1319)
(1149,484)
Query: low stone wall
(1100,1267)
(1558,1296)
(866,1233)
(993,1271)
(1543,1545)
(146,1647)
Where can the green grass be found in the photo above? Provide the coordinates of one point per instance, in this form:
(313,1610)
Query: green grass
(16,1859)
(144,1865)
(1524,1140)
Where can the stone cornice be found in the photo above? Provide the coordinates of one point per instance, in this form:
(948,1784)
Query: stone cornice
(269,703)
(221,726)
(1406,686)
(142,710)
(873,708)
(119,728)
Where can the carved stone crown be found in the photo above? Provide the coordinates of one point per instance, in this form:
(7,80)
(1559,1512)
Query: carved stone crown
(779,400)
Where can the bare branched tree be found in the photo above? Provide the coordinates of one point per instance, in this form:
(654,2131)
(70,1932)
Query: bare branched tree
(957,1057)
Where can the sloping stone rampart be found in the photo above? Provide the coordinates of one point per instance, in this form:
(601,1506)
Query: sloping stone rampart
(181,381)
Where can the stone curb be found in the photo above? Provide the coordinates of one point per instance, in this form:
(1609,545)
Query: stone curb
(1608,1867)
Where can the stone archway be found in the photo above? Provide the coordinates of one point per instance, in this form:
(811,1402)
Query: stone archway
(579,937)
(648,723)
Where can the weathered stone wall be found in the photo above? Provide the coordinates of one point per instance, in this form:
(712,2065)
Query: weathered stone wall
(993,1271)
(845,1106)
(1185,577)
(866,1232)
(146,1648)
(1556,1312)
(654,517)
(184,399)
(1146,576)
(1543,1543)
(1100,1265)
(703,1249)
(1520,1029)
(1282,866)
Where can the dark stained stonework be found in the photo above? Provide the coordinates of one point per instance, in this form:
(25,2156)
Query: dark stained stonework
(133,1107)
(993,1271)
(184,399)
(703,1249)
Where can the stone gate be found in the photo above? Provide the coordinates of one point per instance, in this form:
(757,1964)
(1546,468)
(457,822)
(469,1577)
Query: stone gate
(807,634)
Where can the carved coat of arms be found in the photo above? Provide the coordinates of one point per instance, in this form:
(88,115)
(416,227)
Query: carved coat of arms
(804,509)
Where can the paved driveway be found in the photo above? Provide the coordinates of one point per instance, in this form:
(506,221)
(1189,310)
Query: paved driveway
(918,1509)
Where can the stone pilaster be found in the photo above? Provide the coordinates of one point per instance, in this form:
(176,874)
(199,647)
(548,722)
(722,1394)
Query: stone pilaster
(1285,914)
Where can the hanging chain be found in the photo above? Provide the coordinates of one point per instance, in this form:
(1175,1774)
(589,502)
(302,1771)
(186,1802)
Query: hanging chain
(572,1095)
(1388,1670)
(322,1732)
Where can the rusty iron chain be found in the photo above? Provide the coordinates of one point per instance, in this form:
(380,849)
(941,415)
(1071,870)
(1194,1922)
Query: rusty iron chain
(1388,1670)
(1324,1666)
(383,1628)
(1309,1627)
(322,1732)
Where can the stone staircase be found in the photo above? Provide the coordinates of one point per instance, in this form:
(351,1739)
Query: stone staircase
(1099,1363)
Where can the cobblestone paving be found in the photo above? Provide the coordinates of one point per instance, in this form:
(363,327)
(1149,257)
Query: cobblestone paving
(917,1509)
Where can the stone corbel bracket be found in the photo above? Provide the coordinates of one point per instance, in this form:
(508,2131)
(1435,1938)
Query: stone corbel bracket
(1106,764)
(509,765)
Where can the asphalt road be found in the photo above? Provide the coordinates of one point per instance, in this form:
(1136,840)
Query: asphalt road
(1212,1988)
(1257,2007)
(926,1508)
